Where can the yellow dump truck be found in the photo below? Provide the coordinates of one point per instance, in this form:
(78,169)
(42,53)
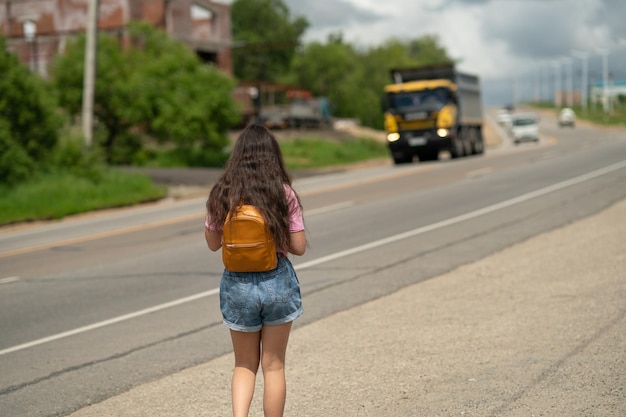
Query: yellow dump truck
(432,109)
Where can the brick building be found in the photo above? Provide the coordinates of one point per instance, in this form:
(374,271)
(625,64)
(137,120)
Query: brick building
(38,29)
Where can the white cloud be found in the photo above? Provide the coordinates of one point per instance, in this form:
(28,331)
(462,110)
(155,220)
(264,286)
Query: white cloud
(500,40)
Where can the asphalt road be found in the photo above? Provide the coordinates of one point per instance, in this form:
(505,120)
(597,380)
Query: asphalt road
(97,305)
(533,330)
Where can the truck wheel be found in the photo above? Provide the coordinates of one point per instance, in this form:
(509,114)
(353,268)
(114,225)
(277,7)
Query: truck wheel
(478,145)
(457,148)
(467,145)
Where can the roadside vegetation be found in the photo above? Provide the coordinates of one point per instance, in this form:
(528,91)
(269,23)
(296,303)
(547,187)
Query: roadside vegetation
(157,104)
(57,195)
(312,152)
(594,113)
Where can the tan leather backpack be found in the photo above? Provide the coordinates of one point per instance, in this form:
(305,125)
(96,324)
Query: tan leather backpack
(247,244)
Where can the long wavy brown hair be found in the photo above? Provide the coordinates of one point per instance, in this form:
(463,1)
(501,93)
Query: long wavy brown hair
(254,174)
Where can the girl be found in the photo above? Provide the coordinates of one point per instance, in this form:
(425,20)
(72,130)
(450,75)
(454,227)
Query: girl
(259,307)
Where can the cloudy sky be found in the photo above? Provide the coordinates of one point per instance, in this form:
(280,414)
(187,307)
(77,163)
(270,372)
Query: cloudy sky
(499,40)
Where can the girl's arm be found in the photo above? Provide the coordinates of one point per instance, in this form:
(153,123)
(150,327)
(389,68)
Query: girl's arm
(213,239)
(297,243)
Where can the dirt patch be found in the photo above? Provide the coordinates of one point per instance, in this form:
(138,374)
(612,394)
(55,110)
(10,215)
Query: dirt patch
(490,136)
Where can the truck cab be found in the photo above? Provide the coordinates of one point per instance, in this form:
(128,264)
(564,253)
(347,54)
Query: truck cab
(422,111)
(419,119)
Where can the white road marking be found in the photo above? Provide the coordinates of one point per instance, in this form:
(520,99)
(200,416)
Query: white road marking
(9,279)
(420,230)
(479,172)
(111,321)
(332,207)
(100,235)
(448,222)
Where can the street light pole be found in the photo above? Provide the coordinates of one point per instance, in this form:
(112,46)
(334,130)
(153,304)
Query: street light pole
(584,87)
(538,84)
(570,83)
(557,83)
(513,89)
(605,78)
(30,34)
(537,75)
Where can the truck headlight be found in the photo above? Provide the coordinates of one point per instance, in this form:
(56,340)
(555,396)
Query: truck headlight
(392,137)
(442,133)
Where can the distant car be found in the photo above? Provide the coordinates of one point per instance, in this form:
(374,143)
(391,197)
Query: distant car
(503,118)
(567,117)
(524,128)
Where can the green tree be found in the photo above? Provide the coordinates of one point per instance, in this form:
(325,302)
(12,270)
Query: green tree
(28,122)
(354,79)
(176,95)
(156,88)
(268,38)
(112,96)
(428,51)
(332,70)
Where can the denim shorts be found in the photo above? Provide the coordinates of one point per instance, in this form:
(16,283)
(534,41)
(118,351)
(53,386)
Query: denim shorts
(250,300)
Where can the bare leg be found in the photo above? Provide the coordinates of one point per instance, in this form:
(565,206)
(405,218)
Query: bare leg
(247,353)
(274,346)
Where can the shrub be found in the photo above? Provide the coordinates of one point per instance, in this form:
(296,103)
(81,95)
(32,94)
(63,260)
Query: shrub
(28,120)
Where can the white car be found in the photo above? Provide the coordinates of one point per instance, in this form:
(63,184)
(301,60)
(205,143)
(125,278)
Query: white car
(567,117)
(504,118)
(524,127)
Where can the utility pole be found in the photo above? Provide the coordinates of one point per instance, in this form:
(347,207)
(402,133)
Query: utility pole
(89,77)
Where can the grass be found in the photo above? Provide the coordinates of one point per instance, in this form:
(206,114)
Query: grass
(593,114)
(311,153)
(59,195)
(615,118)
